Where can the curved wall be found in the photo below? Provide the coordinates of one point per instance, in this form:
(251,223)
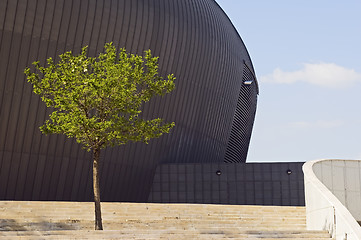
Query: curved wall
(333,194)
(213,110)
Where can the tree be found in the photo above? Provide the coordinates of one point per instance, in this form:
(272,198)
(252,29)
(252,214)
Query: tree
(98,101)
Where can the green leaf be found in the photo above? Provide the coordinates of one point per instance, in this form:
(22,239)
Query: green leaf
(98,100)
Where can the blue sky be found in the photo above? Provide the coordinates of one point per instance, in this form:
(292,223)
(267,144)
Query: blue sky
(307,58)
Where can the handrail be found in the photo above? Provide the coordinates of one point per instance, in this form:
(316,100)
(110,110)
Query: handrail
(324,211)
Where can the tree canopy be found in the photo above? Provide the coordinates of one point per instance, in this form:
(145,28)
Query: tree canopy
(97,100)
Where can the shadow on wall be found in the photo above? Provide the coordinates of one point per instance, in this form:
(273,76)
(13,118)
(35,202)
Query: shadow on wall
(229,183)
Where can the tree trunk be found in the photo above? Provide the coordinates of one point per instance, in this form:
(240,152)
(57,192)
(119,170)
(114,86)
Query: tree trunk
(96,188)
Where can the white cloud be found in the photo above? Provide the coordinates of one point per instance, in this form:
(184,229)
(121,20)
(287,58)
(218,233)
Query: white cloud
(321,74)
(317,124)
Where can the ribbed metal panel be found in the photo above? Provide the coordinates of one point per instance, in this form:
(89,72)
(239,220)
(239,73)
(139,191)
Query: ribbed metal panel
(193,38)
(243,116)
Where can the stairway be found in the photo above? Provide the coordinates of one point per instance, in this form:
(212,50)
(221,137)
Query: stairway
(75,220)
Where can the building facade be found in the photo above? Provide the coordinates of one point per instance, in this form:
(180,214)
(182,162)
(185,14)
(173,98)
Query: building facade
(279,184)
(213,106)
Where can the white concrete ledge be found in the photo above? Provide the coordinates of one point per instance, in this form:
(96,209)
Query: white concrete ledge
(324,180)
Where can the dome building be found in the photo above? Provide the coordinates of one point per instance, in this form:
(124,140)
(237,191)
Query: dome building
(213,105)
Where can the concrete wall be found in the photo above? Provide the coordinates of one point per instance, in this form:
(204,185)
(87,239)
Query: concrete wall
(343,179)
(332,192)
(235,183)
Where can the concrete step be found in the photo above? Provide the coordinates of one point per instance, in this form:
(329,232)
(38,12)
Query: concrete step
(73,220)
(121,211)
(168,237)
(140,207)
(124,234)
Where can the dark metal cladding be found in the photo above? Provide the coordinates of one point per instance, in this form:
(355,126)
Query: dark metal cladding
(212,107)
(279,184)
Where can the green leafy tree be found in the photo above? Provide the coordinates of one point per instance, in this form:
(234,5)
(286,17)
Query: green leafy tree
(98,101)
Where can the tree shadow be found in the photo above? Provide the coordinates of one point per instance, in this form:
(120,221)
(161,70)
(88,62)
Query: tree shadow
(16,225)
